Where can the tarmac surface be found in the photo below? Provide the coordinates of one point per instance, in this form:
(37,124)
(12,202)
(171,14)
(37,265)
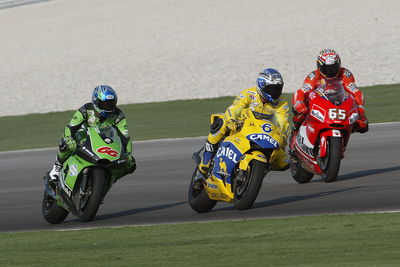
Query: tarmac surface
(157,192)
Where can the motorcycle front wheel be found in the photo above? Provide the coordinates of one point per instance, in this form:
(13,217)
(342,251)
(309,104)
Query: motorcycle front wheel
(246,190)
(331,164)
(91,194)
(198,198)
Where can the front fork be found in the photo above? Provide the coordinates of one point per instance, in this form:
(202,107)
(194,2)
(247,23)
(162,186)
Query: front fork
(323,146)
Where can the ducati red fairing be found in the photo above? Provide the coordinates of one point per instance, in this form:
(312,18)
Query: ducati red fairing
(332,113)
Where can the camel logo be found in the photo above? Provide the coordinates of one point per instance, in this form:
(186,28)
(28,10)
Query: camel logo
(222,168)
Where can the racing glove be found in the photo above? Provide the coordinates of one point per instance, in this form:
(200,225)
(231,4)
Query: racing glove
(68,143)
(300,107)
(362,122)
(362,126)
(233,125)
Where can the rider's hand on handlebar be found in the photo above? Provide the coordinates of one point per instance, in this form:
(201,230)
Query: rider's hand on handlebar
(233,125)
(300,107)
(70,143)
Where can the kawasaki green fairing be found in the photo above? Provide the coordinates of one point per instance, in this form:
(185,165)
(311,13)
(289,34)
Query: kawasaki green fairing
(98,148)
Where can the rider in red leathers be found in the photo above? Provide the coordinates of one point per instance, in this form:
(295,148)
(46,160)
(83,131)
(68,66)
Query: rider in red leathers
(329,67)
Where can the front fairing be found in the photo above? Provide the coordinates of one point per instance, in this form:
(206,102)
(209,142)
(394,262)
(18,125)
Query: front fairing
(326,115)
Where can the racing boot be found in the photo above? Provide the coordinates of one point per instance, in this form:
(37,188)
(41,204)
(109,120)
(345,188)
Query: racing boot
(55,171)
(208,155)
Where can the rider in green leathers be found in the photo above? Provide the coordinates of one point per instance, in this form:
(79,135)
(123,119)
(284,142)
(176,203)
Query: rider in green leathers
(101,111)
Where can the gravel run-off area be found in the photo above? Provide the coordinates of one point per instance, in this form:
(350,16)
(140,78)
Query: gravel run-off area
(53,53)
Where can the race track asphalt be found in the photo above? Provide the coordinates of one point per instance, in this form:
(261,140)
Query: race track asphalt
(157,192)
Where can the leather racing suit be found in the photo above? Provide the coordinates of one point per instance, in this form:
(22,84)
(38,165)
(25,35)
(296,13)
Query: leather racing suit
(315,79)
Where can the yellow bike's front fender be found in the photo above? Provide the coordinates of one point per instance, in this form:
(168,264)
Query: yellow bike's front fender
(254,155)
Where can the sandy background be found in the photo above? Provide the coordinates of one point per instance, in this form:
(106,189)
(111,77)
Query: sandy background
(53,54)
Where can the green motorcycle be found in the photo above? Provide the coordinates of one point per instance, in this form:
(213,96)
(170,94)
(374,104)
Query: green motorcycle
(87,175)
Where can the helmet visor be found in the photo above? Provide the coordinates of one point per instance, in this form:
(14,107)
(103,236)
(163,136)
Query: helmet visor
(274,90)
(108,105)
(331,70)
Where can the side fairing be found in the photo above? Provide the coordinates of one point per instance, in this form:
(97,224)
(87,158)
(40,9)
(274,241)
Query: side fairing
(225,160)
(72,167)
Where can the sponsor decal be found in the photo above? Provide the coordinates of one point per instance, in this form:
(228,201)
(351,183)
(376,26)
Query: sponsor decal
(347,73)
(253,105)
(318,113)
(227,152)
(241,95)
(226,158)
(306,149)
(213,186)
(107,150)
(353,117)
(73,170)
(109,97)
(311,75)
(266,137)
(352,87)
(306,87)
(267,127)
(253,97)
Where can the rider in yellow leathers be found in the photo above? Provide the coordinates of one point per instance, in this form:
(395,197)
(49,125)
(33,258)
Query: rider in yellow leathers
(264,98)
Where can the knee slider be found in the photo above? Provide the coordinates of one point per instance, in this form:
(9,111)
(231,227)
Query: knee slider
(216,125)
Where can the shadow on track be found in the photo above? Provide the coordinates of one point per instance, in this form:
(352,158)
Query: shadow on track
(137,210)
(289,199)
(360,174)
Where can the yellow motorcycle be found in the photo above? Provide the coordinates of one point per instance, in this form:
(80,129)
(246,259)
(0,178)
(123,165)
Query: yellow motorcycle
(240,164)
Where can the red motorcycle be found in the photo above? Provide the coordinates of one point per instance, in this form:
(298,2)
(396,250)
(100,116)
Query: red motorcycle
(319,144)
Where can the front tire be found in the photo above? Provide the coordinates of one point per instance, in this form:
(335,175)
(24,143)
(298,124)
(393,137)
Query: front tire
(198,197)
(246,191)
(90,198)
(299,174)
(51,212)
(331,164)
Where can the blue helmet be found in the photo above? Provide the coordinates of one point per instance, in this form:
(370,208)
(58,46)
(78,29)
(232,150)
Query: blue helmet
(104,100)
(269,84)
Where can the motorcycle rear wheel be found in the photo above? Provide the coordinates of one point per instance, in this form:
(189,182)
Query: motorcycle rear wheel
(198,197)
(51,212)
(299,174)
(90,201)
(247,190)
(331,164)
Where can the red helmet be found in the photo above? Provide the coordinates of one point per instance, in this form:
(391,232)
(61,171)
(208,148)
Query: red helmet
(328,63)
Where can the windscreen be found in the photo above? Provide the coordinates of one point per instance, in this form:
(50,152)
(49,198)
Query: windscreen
(108,133)
(333,91)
